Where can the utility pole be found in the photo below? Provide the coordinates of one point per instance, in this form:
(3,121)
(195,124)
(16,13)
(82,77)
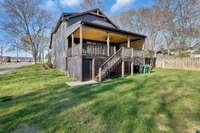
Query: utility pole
(1,54)
(1,51)
(42,56)
(17,54)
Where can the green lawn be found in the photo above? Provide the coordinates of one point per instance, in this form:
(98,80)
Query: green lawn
(36,100)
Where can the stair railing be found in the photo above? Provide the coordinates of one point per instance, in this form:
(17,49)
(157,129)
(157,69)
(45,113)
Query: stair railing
(122,53)
(110,62)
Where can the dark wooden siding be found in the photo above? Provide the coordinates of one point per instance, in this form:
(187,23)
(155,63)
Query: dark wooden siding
(59,45)
(98,63)
(87,62)
(87,69)
(74,65)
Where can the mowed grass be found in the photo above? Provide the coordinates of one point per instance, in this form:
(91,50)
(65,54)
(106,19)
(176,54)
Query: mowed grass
(36,100)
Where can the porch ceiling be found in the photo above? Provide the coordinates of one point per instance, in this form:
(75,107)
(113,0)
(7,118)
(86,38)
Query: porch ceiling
(95,34)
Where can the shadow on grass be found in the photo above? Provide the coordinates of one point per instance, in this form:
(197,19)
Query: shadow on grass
(44,105)
(6,98)
(123,109)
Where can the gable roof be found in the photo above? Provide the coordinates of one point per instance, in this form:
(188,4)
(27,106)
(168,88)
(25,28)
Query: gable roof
(69,15)
(196,46)
(101,14)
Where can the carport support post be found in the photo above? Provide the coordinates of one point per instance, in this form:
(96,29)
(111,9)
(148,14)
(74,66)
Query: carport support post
(114,49)
(66,45)
(128,42)
(100,75)
(93,68)
(81,39)
(122,68)
(72,44)
(122,62)
(80,50)
(108,44)
(132,52)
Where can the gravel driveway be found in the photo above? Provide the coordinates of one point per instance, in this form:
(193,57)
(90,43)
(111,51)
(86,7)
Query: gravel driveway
(4,68)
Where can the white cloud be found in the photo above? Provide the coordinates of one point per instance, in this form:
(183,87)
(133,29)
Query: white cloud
(120,4)
(70,2)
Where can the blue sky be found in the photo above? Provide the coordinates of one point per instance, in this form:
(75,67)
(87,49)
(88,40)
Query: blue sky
(110,6)
(59,6)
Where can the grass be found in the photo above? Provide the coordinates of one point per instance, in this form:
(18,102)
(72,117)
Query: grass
(36,100)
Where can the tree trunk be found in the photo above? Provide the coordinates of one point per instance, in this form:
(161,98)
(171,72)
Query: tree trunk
(35,57)
(168,51)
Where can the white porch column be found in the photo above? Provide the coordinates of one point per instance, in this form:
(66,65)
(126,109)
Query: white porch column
(66,45)
(72,36)
(93,68)
(108,45)
(100,74)
(114,49)
(81,39)
(122,68)
(128,42)
(72,39)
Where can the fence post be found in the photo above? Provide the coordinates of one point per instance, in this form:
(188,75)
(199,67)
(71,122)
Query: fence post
(100,75)
(132,65)
(122,68)
(93,68)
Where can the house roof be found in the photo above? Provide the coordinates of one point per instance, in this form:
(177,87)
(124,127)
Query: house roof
(69,15)
(91,12)
(195,47)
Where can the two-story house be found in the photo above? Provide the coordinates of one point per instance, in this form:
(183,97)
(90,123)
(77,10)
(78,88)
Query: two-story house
(89,46)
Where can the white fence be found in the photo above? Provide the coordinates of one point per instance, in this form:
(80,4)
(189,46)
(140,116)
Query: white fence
(178,63)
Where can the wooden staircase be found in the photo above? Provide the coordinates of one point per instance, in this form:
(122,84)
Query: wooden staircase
(113,61)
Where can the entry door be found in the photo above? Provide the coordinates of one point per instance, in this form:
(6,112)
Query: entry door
(87,69)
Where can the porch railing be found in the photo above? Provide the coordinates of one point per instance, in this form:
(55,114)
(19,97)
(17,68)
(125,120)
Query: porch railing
(129,52)
(90,50)
(97,49)
(101,50)
(75,51)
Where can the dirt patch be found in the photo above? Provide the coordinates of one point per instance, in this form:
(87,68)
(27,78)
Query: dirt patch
(26,128)
(194,128)
(161,123)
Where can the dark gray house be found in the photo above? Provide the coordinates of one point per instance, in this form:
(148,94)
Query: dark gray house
(88,46)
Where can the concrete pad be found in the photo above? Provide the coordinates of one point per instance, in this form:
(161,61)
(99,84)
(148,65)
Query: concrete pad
(79,83)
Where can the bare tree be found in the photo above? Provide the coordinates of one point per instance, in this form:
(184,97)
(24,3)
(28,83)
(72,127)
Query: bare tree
(91,4)
(173,24)
(26,18)
(185,18)
(148,21)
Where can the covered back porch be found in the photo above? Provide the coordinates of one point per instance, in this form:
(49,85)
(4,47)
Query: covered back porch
(92,40)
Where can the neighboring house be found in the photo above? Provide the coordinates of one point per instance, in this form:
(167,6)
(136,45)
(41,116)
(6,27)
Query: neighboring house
(88,46)
(194,51)
(5,59)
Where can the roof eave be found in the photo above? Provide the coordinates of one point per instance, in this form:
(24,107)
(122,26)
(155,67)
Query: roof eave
(112,29)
